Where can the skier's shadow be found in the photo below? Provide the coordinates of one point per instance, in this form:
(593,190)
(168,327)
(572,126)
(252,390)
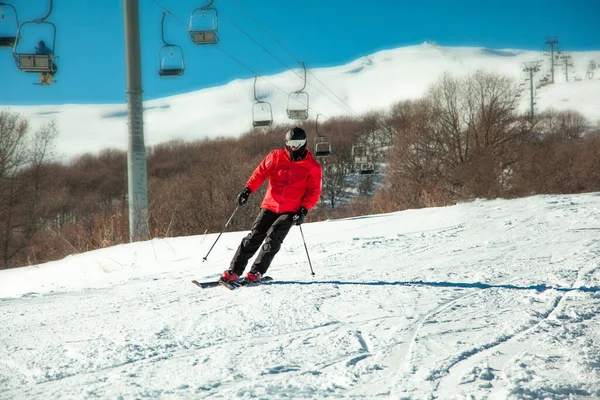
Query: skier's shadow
(461,285)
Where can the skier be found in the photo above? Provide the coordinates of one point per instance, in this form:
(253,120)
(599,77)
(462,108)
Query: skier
(294,188)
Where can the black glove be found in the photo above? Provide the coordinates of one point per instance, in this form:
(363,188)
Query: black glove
(299,216)
(243,197)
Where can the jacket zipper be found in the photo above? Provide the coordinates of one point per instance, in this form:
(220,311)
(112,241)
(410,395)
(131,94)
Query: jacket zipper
(285,186)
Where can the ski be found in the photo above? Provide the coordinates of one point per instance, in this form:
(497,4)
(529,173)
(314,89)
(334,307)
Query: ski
(205,285)
(231,286)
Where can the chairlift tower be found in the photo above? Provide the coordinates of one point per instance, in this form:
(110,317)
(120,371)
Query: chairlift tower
(531,68)
(552,41)
(568,63)
(136,152)
(591,70)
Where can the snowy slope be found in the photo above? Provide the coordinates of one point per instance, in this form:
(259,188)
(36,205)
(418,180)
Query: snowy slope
(372,82)
(491,299)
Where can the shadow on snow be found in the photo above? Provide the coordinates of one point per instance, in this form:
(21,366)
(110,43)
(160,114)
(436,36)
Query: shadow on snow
(462,285)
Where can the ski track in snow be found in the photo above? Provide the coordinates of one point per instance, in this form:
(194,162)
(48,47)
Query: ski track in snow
(479,300)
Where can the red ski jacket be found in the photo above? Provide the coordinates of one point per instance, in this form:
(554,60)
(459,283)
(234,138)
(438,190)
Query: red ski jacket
(292,184)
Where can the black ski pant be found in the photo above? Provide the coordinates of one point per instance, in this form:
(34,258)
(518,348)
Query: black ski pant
(270,225)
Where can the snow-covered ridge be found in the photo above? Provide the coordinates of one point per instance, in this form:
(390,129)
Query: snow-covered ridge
(369,83)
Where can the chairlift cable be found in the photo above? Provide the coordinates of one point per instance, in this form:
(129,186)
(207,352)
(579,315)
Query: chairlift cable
(335,94)
(47,14)
(239,61)
(250,69)
(220,48)
(169,12)
(284,64)
(260,45)
(295,58)
(311,111)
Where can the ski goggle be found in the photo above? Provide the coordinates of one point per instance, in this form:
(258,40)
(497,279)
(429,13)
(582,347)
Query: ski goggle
(295,143)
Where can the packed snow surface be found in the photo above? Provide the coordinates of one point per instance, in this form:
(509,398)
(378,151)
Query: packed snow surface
(489,300)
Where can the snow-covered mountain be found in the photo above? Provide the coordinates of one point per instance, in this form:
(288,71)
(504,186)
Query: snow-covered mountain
(485,300)
(369,83)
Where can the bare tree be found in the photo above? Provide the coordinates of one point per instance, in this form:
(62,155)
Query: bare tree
(22,175)
(562,125)
(460,140)
(335,182)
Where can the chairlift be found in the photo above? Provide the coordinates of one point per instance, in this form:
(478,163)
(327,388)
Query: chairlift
(8,39)
(171,61)
(204,22)
(31,62)
(322,143)
(362,159)
(262,114)
(359,154)
(170,56)
(297,106)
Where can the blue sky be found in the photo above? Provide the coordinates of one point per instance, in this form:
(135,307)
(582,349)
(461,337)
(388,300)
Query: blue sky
(90,39)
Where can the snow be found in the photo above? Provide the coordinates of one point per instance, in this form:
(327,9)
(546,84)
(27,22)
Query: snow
(373,82)
(496,299)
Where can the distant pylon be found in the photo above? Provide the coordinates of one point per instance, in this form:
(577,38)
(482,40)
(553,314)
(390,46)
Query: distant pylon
(552,41)
(568,63)
(531,68)
(591,70)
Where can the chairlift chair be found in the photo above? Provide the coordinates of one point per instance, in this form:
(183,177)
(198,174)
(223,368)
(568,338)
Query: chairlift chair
(170,56)
(322,147)
(171,61)
(262,113)
(322,143)
(8,40)
(31,62)
(360,155)
(204,23)
(297,107)
(366,169)
(362,159)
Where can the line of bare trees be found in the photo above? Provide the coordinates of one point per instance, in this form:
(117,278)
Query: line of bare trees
(464,139)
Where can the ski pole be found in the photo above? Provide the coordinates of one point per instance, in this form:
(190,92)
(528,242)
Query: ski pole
(227,223)
(306,248)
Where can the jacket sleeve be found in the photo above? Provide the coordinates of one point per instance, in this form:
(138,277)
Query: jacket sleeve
(313,188)
(261,173)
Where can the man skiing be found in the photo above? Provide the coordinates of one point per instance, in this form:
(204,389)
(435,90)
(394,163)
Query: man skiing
(294,188)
